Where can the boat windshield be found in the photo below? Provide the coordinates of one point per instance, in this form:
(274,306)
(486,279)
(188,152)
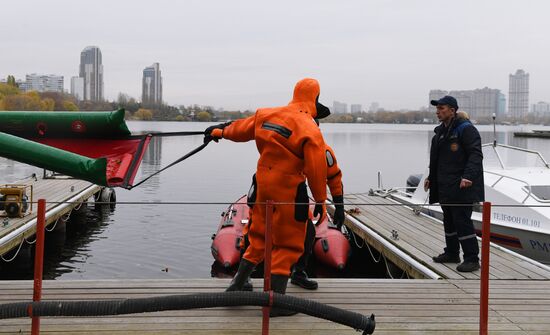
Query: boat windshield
(541,192)
(505,157)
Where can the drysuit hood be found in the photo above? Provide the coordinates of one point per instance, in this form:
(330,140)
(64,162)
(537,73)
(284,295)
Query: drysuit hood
(307,92)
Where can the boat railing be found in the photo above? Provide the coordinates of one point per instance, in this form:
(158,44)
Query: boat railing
(495,145)
(502,176)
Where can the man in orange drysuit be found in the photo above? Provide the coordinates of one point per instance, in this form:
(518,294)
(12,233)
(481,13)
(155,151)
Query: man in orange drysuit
(334,181)
(291,149)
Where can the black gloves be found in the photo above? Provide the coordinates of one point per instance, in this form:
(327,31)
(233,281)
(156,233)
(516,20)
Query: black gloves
(208,136)
(339,216)
(318,211)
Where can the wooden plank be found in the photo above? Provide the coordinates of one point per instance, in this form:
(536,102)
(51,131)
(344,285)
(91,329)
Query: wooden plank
(401,307)
(381,226)
(415,232)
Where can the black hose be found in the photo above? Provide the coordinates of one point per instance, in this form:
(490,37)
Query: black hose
(181,302)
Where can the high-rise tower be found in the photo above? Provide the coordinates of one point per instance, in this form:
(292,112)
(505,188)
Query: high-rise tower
(152,85)
(518,94)
(91,69)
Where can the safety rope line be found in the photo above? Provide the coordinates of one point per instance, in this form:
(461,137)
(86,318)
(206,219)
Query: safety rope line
(16,253)
(78,207)
(389,272)
(285,203)
(387,268)
(64,218)
(191,153)
(30,242)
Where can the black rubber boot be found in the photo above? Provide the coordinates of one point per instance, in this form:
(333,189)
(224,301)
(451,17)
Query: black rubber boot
(248,285)
(301,279)
(242,275)
(278,285)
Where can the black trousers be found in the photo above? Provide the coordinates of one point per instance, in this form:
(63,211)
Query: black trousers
(301,264)
(460,232)
(308,247)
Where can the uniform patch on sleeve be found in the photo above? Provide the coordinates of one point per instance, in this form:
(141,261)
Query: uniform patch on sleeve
(330,159)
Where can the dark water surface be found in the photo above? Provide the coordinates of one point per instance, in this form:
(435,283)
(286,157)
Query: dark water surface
(173,241)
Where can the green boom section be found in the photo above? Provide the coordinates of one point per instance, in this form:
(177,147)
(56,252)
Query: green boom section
(64,124)
(40,155)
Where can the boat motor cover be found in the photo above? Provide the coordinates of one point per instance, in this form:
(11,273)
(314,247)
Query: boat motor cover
(92,146)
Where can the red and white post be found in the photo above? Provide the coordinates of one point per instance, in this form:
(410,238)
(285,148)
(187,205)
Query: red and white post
(484,285)
(267,266)
(38,262)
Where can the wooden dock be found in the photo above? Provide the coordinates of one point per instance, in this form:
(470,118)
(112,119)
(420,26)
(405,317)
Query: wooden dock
(534,133)
(410,241)
(447,303)
(406,306)
(62,195)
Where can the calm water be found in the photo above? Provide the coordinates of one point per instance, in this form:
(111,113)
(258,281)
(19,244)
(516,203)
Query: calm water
(173,241)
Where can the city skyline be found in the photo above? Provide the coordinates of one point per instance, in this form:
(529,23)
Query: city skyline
(238,56)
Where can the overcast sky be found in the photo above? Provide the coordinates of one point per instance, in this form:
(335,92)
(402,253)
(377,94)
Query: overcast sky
(248,54)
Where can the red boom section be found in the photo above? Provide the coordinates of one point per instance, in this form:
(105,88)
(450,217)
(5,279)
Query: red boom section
(123,155)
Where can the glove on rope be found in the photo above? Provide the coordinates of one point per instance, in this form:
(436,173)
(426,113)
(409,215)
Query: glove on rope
(210,133)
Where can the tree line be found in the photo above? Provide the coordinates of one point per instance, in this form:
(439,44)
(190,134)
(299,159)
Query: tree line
(14,99)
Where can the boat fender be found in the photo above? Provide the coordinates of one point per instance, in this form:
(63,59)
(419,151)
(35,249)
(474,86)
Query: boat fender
(107,195)
(324,244)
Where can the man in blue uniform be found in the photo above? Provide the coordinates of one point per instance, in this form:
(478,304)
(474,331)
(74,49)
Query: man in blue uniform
(456,182)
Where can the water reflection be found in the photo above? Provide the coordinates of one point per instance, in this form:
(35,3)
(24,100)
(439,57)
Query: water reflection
(147,239)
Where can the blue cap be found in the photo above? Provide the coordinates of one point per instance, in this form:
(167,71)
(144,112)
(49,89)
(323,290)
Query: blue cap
(446,100)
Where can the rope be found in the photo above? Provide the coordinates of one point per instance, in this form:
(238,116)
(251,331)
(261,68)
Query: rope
(78,207)
(372,255)
(16,253)
(31,242)
(57,220)
(191,153)
(355,239)
(387,268)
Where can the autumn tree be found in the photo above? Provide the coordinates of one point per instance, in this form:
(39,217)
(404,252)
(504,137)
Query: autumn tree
(11,81)
(143,114)
(204,116)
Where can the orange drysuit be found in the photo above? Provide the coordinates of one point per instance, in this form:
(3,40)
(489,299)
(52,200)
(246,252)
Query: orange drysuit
(334,182)
(291,149)
(334,174)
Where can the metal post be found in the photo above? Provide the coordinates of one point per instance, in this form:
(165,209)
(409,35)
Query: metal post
(484,289)
(38,261)
(494,130)
(267,266)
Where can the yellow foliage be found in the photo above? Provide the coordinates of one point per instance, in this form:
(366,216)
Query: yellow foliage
(22,102)
(69,106)
(143,114)
(6,89)
(204,116)
(47,104)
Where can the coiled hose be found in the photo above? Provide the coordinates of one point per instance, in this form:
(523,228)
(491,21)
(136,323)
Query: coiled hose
(180,302)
